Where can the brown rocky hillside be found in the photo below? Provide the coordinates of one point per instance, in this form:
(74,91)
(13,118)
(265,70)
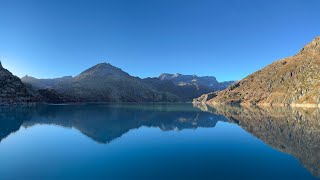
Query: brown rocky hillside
(291,81)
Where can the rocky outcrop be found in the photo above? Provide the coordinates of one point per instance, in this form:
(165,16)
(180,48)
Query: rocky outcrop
(12,90)
(293,81)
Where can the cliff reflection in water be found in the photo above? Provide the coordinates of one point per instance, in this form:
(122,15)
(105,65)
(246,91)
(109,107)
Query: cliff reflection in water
(293,131)
(104,123)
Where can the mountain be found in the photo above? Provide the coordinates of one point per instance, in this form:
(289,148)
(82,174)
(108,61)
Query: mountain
(12,90)
(106,83)
(100,83)
(291,81)
(187,87)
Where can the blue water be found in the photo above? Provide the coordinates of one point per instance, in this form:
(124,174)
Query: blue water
(135,141)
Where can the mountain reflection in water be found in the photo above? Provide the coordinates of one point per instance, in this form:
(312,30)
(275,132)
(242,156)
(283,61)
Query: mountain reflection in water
(104,123)
(293,131)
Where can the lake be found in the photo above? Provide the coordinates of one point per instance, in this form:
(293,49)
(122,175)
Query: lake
(158,141)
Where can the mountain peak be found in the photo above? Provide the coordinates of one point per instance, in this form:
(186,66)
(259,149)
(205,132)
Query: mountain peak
(313,46)
(102,69)
(102,64)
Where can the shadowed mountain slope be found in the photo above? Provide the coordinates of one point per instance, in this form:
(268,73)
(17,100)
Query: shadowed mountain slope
(12,90)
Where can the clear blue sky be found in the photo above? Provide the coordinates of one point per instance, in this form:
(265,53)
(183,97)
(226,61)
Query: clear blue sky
(226,38)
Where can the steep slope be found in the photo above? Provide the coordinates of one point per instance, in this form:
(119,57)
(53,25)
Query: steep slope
(291,81)
(12,90)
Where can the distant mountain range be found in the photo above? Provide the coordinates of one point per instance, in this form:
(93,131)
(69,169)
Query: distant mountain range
(106,83)
(292,81)
(186,87)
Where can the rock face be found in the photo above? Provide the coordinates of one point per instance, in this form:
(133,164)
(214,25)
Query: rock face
(12,90)
(291,81)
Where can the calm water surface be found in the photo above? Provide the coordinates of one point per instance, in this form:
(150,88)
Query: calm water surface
(158,141)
